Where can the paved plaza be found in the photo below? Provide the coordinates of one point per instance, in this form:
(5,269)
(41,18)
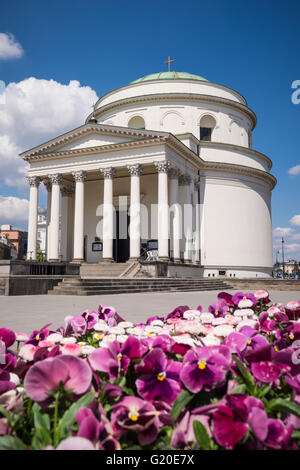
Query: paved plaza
(25,313)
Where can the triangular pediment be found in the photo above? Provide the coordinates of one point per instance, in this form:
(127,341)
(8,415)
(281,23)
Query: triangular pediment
(92,135)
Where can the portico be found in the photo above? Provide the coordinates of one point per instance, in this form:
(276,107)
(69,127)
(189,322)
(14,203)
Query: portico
(89,203)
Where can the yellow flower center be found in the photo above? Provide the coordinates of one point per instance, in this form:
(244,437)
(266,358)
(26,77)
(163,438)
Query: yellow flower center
(102,311)
(133,415)
(161,376)
(276,349)
(99,336)
(202,364)
(291,336)
(150,333)
(119,357)
(37,337)
(216,313)
(249,341)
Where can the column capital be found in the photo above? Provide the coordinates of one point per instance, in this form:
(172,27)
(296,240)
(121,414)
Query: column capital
(162,167)
(174,173)
(67,191)
(135,170)
(33,181)
(108,173)
(196,183)
(56,178)
(184,180)
(47,184)
(79,176)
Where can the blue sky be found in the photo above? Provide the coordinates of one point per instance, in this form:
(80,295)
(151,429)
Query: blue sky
(250,46)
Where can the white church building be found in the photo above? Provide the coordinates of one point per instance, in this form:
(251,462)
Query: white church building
(165,161)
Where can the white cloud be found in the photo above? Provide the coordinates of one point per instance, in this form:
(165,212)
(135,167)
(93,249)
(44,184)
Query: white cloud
(282,231)
(13,211)
(295,170)
(295,220)
(292,247)
(35,111)
(9,47)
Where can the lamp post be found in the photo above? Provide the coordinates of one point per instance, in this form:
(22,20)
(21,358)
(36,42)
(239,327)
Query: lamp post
(283,273)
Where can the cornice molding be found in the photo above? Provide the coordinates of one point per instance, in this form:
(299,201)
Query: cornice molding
(86,129)
(179,97)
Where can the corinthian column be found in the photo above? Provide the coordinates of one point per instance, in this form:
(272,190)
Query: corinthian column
(79,177)
(185,182)
(48,186)
(135,211)
(175,225)
(32,216)
(163,210)
(56,180)
(66,195)
(108,213)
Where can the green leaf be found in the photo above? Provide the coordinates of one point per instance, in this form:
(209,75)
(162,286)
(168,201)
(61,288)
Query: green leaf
(202,436)
(279,404)
(246,376)
(4,412)
(263,391)
(11,443)
(241,389)
(41,438)
(296,434)
(181,401)
(68,418)
(41,420)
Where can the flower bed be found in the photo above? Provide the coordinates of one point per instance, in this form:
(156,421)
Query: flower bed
(226,378)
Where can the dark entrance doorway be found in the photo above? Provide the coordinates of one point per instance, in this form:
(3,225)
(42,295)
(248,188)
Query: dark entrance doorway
(121,241)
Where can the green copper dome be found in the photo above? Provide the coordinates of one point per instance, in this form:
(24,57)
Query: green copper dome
(169,76)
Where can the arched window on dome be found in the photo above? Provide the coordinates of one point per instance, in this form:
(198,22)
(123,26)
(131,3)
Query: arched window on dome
(136,122)
(207,125)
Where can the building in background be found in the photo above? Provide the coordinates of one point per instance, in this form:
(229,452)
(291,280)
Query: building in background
(18,238)
(291,268)
(169,139)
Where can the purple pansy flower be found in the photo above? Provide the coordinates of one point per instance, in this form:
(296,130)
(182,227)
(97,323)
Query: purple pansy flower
(218,308)
(115,358)
(205,367)
(7,336)
(134,414)
(44,377)
(91,318)
(232,420)
(159,379)
(38,335)
(178,312)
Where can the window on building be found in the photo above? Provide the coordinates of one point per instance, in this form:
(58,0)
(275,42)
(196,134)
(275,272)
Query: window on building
(136,122)
(207,125)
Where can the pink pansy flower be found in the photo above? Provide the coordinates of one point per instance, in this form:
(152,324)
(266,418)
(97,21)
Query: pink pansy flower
(72,349)
(75,443)
(21,337)
(28,351)
(44,377)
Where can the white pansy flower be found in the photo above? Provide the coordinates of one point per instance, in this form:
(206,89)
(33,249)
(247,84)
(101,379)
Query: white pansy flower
(68,340)
(14,378)
(243,312)
(125,324)
(223,330)
(245,303)
(21,337)
(88,349)
(81,343)
(55,337)
(157,323)
(184,340)
(122,338)
(98,336)
(135,331)
(101,326)
(219,321)
(191,314)
(116,330)
(211,340)
(206,317)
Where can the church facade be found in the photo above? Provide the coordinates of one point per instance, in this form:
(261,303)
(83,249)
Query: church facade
(167,159)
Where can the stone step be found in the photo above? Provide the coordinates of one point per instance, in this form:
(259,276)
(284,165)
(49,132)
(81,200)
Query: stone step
(63,291)
(148,285)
